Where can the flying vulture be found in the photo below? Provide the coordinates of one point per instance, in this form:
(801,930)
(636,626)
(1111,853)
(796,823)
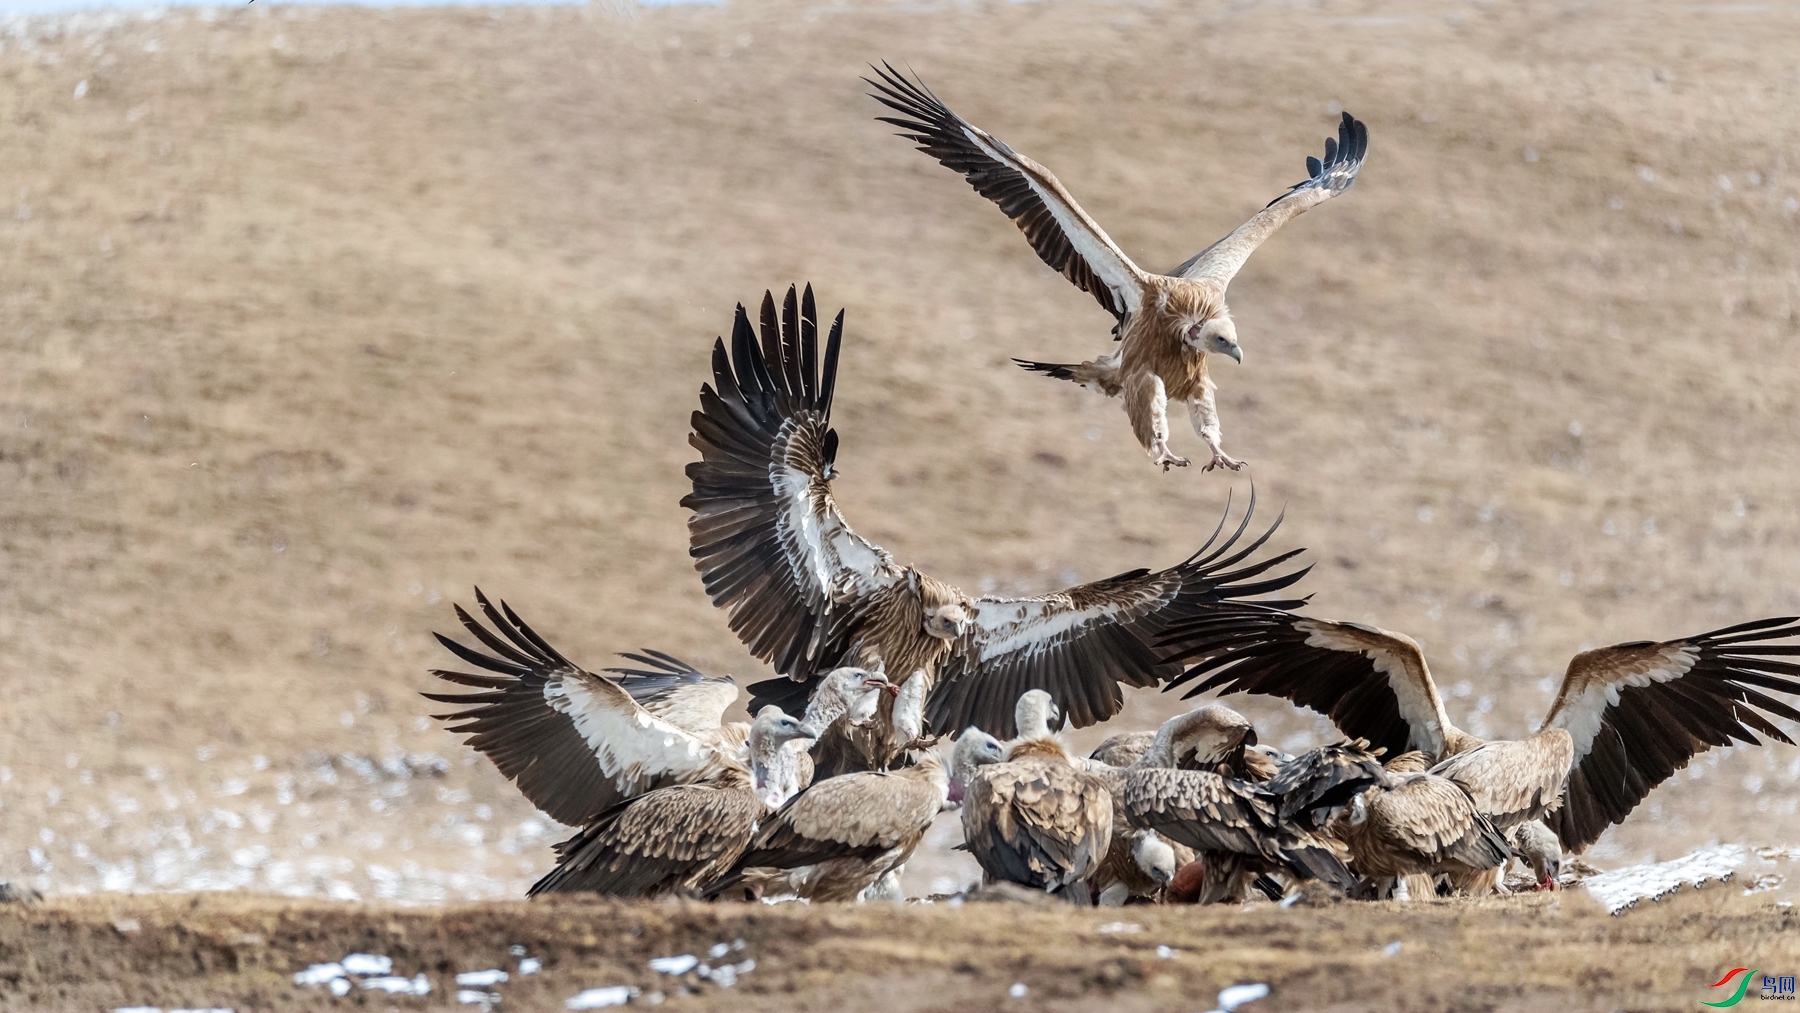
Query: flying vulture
(1624,720)
(1166,323)
(837,838)
(1038,819)
(678,839)
(807,594)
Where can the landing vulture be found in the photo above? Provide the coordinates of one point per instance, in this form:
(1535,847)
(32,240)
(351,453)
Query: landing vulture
(676,840)
(1625,719)
(1167,323)
(807,594)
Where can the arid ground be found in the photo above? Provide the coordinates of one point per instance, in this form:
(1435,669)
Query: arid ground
(315,318)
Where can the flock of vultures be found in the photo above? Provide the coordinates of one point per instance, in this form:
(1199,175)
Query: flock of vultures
(897,696)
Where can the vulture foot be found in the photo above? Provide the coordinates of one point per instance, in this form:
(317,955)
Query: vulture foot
(1166,458)
(1220,459)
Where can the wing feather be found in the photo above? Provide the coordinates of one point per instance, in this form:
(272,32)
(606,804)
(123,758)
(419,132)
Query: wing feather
(1221,261)
(1638,712)
(765,534)
(1063,235)
(1082,644)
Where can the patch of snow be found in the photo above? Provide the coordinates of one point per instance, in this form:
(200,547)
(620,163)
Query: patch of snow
(1621,888)
(481,979)
(675,965)
(367,963)
(599,998)
(319,974)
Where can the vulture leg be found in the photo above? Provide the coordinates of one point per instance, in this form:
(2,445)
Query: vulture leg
(1204,412)
(1147,404)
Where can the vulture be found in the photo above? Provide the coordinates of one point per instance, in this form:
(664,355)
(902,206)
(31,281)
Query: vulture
(1166,324)
(1419,824)
(577,743)
(1139,865)
(678,839)
(848,747)
(807,594)
(1625,718)
(1248,828)
(834,840)
(1037,819)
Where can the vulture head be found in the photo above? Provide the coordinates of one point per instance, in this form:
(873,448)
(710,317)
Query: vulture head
(1204,323)
(850,693)
(773,727)
(974,749)
(1036,715)
(1154,856)
(1214,734)
(1217,335)
(1538,844)
(946,611)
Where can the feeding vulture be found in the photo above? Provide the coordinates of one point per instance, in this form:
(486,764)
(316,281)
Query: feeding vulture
(678,839)
(1038,819)
(576,742)
(1625,718)
(834,840)
(1166,323)
(1419,824)
(807,594)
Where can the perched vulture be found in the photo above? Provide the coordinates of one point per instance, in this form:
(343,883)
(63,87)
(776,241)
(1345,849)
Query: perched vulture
(678,839)
(1625,719)
(577,743)
(1038,819)
(1166,323)
(1248,828)
(807,594)
(1419,824)
(848,747)
(837,838)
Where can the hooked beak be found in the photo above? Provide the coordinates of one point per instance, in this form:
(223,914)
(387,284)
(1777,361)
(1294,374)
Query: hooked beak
(882,684)
(1236,352)
(807,732)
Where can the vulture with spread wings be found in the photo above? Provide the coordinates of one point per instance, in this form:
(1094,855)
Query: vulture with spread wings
(807,594)
(1166,323)
(1626,718)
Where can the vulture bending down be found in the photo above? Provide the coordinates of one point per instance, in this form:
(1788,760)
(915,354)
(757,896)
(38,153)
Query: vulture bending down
(1166,323)
(807,594)
(1038,819)
(1248,828)
(675,840)
(835,839)
(1624,720)
(1419,824)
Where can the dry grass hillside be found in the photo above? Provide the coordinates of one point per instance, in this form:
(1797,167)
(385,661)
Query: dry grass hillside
(314,318)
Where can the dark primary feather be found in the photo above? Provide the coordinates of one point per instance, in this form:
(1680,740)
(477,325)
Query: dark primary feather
(1343,159)
(1323,779)
(514,726)
(662,676)
(1655,730)
(941,134)
(769,405)
(1247,648)
(658,843)
(1084,665)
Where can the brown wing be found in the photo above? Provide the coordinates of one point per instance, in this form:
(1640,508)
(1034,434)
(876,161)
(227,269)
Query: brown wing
(1082,644)
(1123,749)
(1200,809)
(1373,684)
(859,816)
(577,743)
(1639,712)
(1063,235)
(1221,261)
(668,841)
(766,535)
(1039,823)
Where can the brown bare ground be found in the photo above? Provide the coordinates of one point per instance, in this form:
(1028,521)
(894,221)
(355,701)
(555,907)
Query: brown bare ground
(1538,952)
(316,317)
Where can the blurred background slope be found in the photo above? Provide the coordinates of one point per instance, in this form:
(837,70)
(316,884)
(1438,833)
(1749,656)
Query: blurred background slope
(313,318)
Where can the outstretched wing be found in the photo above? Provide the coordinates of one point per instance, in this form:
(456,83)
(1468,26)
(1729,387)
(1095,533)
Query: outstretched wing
(574,742)
(676,691)
(1373,684)
(1221,261)
(1080,645)
(1062,234)
(766,536)
(1639,712)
